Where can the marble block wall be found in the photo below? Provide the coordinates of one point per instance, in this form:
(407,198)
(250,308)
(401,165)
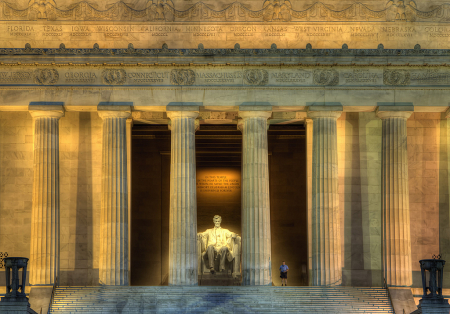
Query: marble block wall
(80,171)
(16,184)
(359,162)
(423,130)
(80,177)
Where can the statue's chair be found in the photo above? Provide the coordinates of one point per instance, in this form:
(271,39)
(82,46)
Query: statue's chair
(232,260)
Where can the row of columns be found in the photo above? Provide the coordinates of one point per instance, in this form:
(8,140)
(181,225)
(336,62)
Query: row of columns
(256,242)
(325,236)
(113,262)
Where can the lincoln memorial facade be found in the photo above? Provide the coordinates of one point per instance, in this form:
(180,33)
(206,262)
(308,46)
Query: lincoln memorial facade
(319,133)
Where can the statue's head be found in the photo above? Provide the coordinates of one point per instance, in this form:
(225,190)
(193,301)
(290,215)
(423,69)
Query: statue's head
(217,220)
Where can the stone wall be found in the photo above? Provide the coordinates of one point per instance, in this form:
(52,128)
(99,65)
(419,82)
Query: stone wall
(80,179)
(359,155)
(423,167)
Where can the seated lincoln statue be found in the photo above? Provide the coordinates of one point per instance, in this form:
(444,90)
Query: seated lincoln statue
(219,250)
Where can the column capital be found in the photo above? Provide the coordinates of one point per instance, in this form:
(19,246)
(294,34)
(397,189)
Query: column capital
(324,114)
(113,111)
(447,113)
(404,110)
(182,114)
(322,111)
(255,114)
(46,110)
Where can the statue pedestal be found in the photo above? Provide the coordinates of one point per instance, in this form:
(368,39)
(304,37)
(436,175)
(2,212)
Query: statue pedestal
(18,305)
(433,307)
(219,279)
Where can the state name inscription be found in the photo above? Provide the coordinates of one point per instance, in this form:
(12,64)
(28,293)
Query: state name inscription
(218,184)
(285,35)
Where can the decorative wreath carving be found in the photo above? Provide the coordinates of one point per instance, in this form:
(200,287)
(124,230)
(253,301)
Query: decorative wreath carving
(256,77)
(114,77)
(328,77)
(182,77)
(396,77)
(46,76)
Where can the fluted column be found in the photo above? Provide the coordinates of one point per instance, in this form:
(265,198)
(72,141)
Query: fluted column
(256,241)
(44,248)
(325,233)
(183,200)
(113,264)
(395,199)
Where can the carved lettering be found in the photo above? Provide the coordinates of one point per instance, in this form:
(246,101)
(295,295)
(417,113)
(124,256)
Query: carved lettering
(218,184)
(361,76)
(80,77)
(431,77)
(289,77)
(219,77)
(15,77)
(150,77)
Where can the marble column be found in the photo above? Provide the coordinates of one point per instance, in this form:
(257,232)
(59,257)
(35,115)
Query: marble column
(44,248)
(183,261)
(325,221)
(256,241)
(395,198)
(113,265)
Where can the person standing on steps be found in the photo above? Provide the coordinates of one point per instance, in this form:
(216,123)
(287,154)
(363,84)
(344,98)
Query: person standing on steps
(283,273)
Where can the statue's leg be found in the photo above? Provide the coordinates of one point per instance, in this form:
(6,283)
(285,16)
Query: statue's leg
(210,251)
(223,256)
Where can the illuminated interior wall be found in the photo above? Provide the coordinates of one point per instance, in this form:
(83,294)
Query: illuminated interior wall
(288,208)
(219,193)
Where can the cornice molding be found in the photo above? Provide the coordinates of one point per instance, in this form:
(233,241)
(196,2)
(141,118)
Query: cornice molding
(273,51)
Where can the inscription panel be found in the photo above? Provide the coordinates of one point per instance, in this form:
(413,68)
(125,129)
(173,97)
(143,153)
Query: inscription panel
(84,34)
(223,76)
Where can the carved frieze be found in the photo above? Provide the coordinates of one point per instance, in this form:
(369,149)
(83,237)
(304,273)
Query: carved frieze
(396,77)
(326,77)
(269,10)
(228,76)
(46,76)
(114,77)
(256,77)
(182,77)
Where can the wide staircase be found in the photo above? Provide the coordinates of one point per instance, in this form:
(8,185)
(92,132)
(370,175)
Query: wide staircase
(202,299)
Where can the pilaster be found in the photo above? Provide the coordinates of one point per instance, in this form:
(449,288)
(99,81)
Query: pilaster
(113,265)
(44,244)
(395,196)
(325,216)
(183,261)
(256,238)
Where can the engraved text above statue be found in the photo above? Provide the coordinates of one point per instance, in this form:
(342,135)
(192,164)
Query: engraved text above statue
(219,249)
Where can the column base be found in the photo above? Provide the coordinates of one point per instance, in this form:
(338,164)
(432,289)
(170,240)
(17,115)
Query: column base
(15,306)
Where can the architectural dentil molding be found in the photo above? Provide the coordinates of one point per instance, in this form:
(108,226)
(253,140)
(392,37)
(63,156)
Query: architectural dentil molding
(242,10)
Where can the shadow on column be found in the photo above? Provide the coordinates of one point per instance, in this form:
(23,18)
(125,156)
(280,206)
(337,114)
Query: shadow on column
(84,273)
(353,267)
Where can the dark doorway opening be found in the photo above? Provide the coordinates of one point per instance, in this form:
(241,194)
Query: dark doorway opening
(219,153)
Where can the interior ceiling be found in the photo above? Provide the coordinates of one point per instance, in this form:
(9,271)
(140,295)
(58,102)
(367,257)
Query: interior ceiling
(218,145)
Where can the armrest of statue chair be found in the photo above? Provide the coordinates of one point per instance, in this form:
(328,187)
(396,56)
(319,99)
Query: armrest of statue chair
(236,247)
(201,249)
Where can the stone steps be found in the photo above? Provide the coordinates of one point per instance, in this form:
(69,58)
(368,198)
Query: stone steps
(201,299)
